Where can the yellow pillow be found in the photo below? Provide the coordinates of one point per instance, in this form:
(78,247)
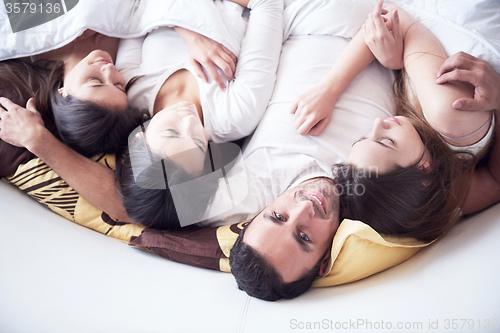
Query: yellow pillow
(359,251)
(36,179)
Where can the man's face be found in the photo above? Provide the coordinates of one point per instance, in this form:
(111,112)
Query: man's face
(294,231)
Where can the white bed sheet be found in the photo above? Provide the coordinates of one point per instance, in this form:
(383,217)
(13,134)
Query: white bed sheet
(56,276)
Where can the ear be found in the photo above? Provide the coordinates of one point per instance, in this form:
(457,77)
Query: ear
(325,263)
(425,167)
(139,135)
(63,92)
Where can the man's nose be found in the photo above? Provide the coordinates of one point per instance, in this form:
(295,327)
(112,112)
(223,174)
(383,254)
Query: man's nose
(304,209)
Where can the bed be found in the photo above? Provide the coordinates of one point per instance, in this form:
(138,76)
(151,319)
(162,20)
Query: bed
(57,276)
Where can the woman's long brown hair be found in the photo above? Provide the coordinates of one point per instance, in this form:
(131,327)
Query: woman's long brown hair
(410,202)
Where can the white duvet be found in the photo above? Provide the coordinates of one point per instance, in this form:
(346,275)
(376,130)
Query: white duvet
(121,19)
(472,26)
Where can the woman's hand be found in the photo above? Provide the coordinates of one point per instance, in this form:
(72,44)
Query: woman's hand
(19,126)
(486,81)
(207,53)
(386,45)
(313,109)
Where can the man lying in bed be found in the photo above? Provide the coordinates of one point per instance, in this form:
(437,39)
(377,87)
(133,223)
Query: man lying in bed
(287,245)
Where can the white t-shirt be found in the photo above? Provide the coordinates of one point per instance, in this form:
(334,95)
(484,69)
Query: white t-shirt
(228,115)
(276,157)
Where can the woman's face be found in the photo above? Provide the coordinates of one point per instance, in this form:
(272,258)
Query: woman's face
(392,143)
(176,133)
(96,79)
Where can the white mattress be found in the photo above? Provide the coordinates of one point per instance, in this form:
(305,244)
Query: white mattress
(56,276)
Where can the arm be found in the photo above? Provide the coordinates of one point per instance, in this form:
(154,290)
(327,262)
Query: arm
(313,109)
(423,57)
(467,68)
(207,53)
(242,107)
(24,128)
(485,186)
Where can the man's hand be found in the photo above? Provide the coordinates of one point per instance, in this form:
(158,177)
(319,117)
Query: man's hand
(467,68)
(313,110)
(386,45)
(207,53)
(19,126)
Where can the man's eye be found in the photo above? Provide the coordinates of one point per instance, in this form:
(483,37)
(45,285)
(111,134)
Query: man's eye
(304,237)
(96,79)
(279,217)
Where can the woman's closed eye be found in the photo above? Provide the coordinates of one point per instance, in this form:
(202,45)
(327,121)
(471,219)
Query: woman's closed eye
(386,138)
(120,86)
(172,131)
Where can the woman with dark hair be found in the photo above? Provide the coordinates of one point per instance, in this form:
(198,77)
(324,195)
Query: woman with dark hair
(185,112)
(82,101)
(84,93)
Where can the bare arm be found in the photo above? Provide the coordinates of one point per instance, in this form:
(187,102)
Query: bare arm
(485,186)
(423,57)
(467,68)
(313,109)
(96,183)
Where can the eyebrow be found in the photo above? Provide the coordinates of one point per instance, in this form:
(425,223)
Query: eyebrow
(303,245)
(380,143)
(179,137)
(103,85)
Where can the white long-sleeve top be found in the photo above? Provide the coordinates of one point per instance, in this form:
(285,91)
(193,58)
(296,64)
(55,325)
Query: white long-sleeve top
(228,115)
(276,157)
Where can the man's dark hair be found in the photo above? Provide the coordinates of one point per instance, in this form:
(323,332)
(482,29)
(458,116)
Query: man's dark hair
(259,279)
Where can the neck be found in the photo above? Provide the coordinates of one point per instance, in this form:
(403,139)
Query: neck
(180,86)
(78,49)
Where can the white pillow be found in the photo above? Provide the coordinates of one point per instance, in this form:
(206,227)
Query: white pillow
(122,19)
(472,26)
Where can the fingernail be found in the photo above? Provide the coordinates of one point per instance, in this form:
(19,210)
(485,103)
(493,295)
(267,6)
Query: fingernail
(459,105)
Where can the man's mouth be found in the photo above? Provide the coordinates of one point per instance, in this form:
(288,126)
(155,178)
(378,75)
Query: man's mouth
(319,199)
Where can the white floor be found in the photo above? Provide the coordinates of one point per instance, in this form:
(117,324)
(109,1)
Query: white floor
(56,276)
